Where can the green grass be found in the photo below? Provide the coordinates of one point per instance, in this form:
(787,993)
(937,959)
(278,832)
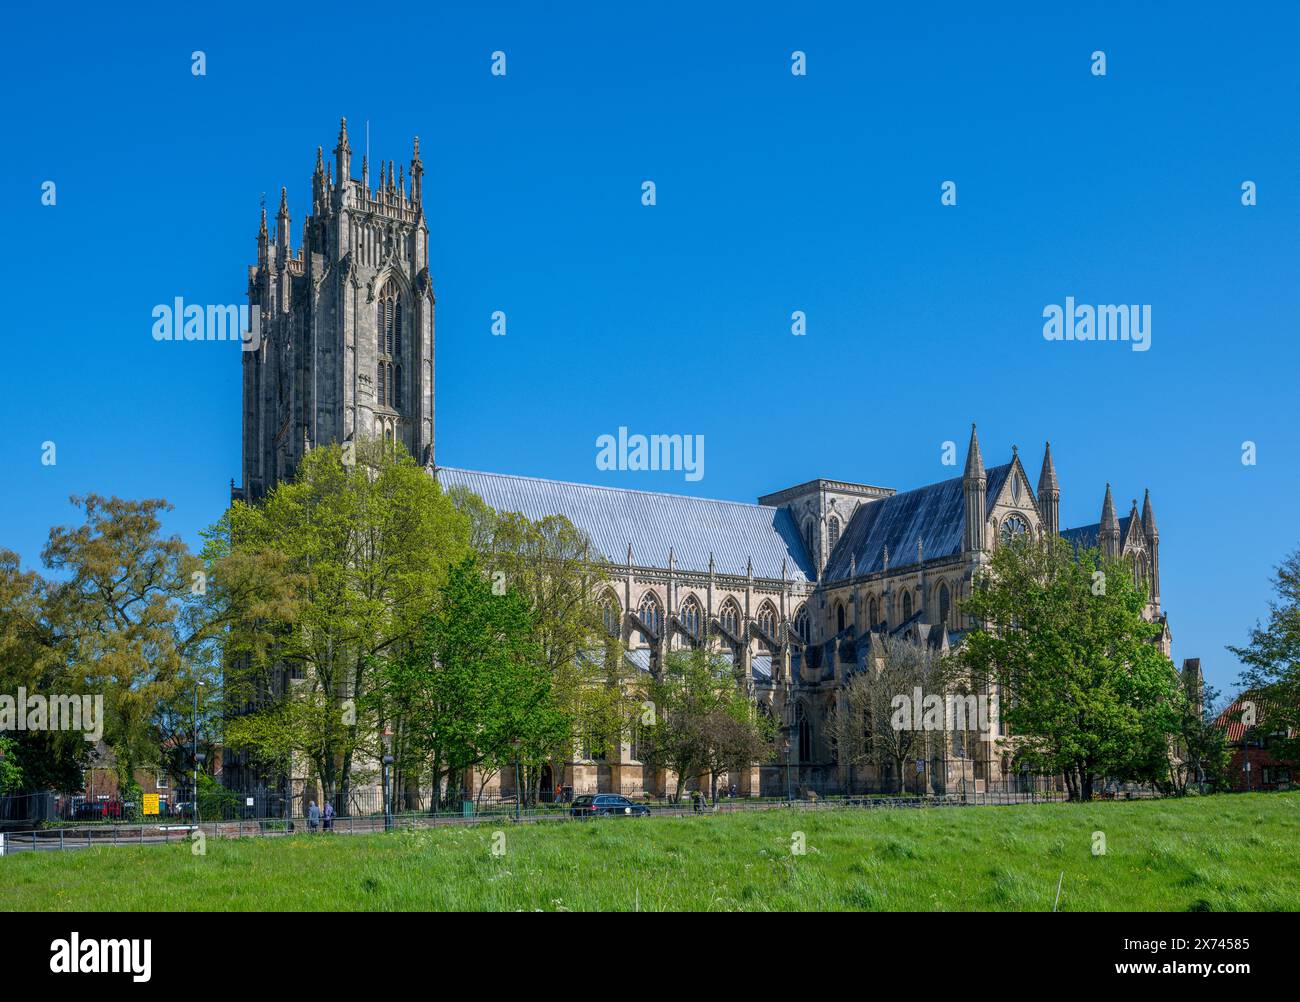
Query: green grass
(1213,853)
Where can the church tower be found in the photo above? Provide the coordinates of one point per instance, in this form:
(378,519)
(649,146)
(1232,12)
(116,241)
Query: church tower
(346,348)
(1049,495)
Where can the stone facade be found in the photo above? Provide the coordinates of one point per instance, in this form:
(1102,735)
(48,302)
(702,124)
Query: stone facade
(347,351)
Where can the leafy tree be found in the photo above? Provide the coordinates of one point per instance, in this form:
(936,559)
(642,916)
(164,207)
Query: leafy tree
(122,618)
(473,682)
(1272,659)
(319,586)
(549,562)
(1084,690)
(703,719)
(31,657)
(11,773)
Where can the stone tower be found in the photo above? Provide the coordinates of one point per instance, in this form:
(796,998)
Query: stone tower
(346,346)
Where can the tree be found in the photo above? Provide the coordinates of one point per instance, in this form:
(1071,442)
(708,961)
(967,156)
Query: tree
(862,722)
(1084,689)
(11,773)
(1272,659)
(123,620)
(1199,752)
(320,585)
(549,562)
(703,719)
(472,684)
(32,658)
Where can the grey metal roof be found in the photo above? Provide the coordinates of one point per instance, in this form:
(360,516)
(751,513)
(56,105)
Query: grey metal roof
(935,514)
(652,523)
(760,667)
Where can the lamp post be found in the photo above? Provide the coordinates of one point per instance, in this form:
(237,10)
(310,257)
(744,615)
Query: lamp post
(388,761)
(197,759)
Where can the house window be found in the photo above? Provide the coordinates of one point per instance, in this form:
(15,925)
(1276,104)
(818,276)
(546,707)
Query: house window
(162,782)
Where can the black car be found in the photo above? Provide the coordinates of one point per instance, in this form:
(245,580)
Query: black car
(607,805)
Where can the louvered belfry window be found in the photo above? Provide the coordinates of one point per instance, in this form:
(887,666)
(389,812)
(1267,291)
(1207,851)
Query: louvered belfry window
(389,374)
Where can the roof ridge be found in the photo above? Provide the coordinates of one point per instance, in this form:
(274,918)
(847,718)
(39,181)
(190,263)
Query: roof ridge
(606,487)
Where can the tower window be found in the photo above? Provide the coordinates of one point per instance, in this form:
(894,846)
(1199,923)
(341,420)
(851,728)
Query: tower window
(832,531)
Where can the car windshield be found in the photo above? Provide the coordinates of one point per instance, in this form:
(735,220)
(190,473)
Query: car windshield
(583,801)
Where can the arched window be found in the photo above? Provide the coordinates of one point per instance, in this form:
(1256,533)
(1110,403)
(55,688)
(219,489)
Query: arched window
(945,601)
(801,626)
(809,534)
(805,737)
(833,531)
(907,605)
(388,383)
(651,613)
(839,617)
(692,617)
(610,616)
(767,622)
(874,614)
(1014,527)
(730,617)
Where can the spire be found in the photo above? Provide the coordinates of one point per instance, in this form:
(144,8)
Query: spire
(1108,518)
(365,174)
(417,172)
(320,162)
(343,153)
(974,461)
(282,229)
(1148,516)
(1047,478)
(1134,519)
(263,239)
(391,184)
(1049,494)
(974,482)
(318,184)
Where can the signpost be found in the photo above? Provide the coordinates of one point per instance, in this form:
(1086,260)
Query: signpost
(150,805)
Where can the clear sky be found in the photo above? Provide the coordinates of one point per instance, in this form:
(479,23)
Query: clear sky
(775,193)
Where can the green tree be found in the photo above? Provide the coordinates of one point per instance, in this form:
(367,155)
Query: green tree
(703,720)
(549,562)
(318,587)
(1272,660)
(123,619)
(11,773)
(473,686)
(1085,691)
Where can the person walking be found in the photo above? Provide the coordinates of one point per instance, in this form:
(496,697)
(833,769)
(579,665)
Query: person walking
(313,816)
(329,815)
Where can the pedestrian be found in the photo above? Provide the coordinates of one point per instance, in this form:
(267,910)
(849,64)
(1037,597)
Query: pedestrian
(733,790)
(329,815)
(695,801)
(313,816)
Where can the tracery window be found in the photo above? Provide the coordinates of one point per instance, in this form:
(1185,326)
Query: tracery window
(1014,527)
(730,618)
(801,625)
(388,377)
(692,617)
(651,613)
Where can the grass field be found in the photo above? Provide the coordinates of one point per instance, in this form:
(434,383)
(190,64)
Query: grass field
(1214,853)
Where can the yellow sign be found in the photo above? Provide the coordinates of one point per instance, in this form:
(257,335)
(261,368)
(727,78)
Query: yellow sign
(151,803)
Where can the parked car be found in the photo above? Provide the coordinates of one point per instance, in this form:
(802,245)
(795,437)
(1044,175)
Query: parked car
(88,810)
(607,805)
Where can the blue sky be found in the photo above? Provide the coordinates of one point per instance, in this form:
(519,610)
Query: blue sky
(775,193)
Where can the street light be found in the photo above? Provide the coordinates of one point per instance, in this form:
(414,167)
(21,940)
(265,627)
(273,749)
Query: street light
(388,761)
